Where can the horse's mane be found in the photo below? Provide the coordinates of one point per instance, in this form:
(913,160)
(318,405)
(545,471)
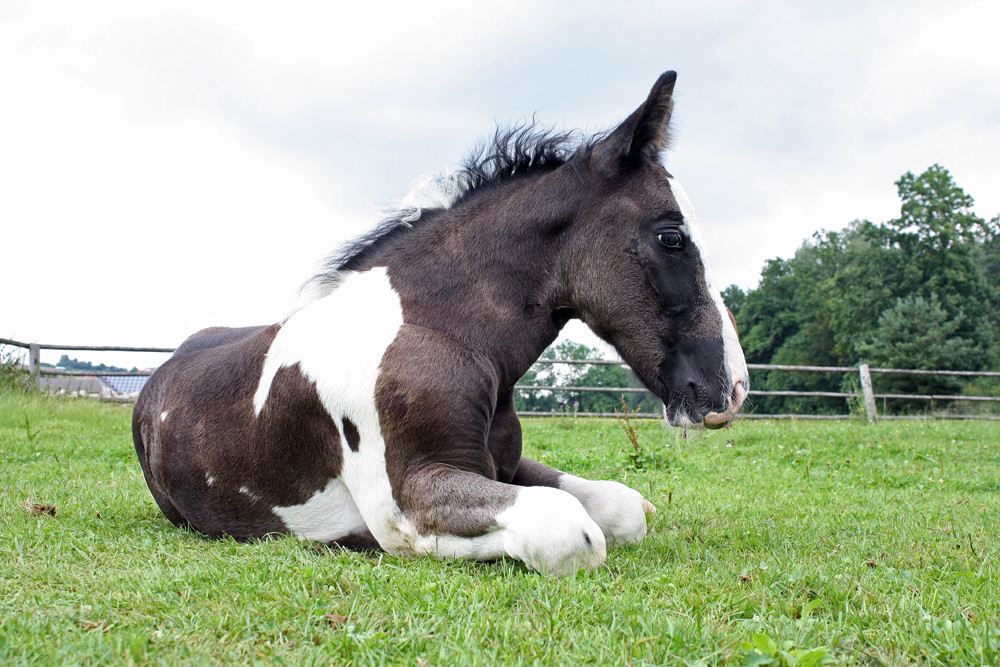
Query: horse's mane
(514,152)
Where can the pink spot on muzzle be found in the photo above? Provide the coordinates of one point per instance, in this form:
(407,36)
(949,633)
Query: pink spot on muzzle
(720,419)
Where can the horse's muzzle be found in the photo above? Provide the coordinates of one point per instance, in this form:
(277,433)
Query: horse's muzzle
(715,420)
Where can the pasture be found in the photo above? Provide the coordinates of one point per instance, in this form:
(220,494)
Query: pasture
(775,543)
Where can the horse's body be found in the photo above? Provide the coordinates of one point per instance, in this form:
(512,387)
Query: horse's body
(380,414)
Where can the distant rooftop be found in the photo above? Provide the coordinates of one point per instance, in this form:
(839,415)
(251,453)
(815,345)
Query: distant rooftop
(124,385)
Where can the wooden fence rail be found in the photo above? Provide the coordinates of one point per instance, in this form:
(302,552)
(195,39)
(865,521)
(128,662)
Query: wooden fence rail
(864,372)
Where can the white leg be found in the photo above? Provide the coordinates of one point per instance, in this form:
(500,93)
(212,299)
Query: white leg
(617,509)
(550,531)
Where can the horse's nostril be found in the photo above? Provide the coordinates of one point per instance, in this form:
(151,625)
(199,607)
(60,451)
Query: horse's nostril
(739,395)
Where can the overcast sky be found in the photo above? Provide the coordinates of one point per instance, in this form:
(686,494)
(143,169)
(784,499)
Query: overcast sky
(166,166)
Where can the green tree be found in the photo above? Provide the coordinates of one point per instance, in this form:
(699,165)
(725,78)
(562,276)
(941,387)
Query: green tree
(75,364)
(733,296)
(822,306)
(917,333)
(942,238)
(935,209)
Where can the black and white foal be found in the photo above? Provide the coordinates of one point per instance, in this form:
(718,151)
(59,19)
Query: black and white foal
(380,413)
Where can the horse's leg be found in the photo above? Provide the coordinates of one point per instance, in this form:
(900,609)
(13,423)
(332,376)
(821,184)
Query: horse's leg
(459,513)
(433,489)
(617,509)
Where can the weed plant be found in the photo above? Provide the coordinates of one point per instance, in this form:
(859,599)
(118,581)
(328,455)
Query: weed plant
(14,376)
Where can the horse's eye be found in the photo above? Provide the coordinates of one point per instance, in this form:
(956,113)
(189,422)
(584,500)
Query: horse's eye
(671,239)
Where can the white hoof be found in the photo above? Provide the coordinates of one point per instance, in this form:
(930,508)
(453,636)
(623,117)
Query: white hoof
(617,509)
(550,531)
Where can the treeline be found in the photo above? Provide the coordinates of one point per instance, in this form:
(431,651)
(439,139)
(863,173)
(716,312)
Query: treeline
(74,364)
(921,291)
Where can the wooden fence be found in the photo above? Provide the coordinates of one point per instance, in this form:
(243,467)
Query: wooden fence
(869,398)
(868,395)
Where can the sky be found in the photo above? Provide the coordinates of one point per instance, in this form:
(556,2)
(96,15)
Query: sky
(167,166)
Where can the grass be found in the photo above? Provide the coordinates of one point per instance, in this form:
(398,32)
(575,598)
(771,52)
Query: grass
(774,543)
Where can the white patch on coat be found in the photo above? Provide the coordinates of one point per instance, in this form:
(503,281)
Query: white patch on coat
(732,350)
(315,289)
(338,343)
(248,493)
(616,508)
(328,515)
(209,480)
(163,415)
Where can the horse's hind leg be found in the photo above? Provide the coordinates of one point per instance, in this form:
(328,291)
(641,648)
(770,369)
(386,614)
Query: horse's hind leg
(139,434)
(161,498)
(617,509)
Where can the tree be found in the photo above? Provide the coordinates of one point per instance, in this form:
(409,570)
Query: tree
(786,320)
(935,209)
(733,296)
(917,333)
(843,289)
(941,238)
(74,364)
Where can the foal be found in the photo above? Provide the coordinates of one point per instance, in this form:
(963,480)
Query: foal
(380,414)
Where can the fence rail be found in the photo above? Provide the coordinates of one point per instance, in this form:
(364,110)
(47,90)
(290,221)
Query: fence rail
(864,372)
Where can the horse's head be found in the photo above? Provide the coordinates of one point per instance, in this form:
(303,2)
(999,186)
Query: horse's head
(641,278)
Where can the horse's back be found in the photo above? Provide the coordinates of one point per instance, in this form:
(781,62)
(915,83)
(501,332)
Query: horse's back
(214,337)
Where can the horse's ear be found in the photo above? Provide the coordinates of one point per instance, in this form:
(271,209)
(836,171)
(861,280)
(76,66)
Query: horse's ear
(643,133)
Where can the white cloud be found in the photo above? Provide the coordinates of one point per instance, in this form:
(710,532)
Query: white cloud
(205,155)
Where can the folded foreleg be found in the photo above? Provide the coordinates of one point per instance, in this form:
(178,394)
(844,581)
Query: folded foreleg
(617,509)
(455,513)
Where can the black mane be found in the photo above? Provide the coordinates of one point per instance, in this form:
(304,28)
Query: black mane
(514,152)
(521,150)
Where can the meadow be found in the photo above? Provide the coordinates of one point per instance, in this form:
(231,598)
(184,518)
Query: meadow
(774,543)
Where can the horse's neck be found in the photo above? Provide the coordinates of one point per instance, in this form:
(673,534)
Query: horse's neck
(495,291)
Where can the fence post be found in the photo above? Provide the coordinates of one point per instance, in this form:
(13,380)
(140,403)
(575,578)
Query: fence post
(866,389)
(34,359)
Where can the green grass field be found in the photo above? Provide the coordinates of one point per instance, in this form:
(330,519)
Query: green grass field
(775,543)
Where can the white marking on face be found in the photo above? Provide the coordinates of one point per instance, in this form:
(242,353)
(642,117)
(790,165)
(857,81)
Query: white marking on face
(732,350)
(328,515)
(163,416)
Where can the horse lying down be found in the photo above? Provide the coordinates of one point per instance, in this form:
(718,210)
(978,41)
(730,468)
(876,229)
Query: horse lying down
(380,413)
